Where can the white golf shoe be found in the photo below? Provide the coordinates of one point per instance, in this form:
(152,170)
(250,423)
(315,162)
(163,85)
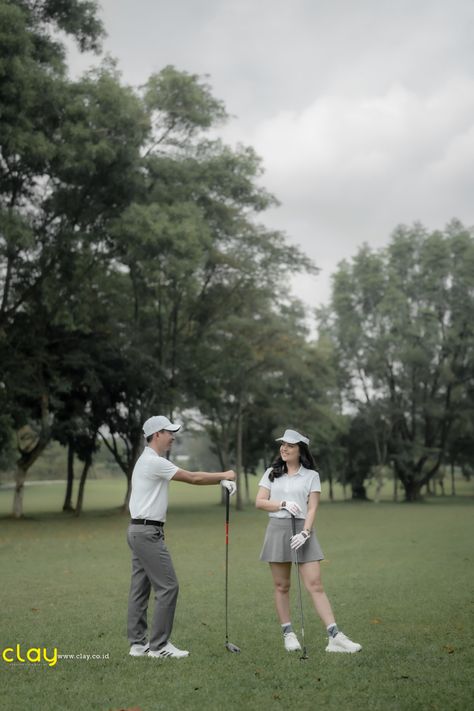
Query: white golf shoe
(139,650)
(291,642)
(341,643)
(168,651)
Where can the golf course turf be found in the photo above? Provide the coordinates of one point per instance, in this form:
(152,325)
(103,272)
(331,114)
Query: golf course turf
(399,576)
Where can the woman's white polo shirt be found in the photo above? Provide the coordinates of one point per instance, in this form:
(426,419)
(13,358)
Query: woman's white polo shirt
(295,488)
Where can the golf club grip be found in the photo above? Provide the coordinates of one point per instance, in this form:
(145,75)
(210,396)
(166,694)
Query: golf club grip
(293,524)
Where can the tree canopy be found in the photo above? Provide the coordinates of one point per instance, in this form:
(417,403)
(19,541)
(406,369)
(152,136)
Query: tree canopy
(137,276)
(402,325)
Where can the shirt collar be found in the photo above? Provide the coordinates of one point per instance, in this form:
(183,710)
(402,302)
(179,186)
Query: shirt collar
(300,471)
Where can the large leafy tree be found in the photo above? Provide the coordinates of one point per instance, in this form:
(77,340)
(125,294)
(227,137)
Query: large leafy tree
(403,328)
(193,252)
(128,239)
(68,155)
(262,375)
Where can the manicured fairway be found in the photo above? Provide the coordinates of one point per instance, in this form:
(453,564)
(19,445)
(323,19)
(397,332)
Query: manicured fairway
(400,578)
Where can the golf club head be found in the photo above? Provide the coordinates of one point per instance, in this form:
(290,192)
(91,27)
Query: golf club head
(232,647)
(304,655)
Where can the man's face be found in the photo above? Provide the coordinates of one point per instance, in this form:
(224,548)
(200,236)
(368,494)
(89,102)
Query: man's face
(164,441)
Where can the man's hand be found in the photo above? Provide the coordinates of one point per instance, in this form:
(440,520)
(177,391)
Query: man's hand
(291,506)
(299,540)
(231,486)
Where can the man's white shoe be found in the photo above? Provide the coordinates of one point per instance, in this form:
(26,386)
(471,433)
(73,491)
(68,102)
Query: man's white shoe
(341,643)
(139,650)
(291,642)
(169,650)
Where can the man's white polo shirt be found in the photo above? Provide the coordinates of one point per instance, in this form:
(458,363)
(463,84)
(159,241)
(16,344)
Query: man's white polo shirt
(150,482)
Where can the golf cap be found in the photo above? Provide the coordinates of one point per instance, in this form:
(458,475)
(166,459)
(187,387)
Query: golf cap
(292,437)
(158,423)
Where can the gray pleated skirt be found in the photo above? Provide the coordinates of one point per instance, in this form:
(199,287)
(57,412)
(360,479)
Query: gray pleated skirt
(276,545)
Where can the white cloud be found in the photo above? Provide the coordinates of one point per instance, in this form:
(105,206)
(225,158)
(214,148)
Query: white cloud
(361,110)
(349,169)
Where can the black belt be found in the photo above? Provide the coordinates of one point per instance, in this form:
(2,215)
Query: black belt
(147,522)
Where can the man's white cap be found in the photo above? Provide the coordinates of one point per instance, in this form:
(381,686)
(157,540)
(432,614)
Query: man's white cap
(157,423)
(292,437)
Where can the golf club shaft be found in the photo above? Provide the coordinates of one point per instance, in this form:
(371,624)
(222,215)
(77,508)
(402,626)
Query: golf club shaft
(227,508)
(229,646)
(293,524)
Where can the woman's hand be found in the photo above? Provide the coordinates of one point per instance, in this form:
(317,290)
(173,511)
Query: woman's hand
(290,506)
(299,539)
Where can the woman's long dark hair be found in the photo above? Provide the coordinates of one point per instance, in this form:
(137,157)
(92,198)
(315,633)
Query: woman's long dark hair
(279,466)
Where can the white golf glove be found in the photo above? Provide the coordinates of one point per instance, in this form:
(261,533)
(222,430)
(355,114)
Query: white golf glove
(230,485)
(299,540)
(291,506)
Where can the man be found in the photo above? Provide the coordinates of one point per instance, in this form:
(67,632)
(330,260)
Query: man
(152,566)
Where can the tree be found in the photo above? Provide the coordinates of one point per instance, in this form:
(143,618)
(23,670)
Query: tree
(69,158)
(402,325)
(129,235)
(33,97)
(260,376)
(191,250)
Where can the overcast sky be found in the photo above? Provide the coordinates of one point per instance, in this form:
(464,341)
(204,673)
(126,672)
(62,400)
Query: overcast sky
(362,110)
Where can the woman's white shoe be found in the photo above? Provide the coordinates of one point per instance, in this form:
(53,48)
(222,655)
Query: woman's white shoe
(341,643)
(291,642)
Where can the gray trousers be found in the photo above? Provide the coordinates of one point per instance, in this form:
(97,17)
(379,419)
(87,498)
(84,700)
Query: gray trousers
(151,567)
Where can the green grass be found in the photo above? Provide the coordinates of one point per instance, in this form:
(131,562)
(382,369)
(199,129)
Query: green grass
(400,578)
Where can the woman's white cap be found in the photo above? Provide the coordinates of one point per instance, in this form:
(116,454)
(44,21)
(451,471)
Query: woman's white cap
(158,423)
(292,437)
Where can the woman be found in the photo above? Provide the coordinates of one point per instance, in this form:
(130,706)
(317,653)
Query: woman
(291,487)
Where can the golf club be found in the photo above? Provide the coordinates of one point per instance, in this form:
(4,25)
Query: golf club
(228,645)
(304,655)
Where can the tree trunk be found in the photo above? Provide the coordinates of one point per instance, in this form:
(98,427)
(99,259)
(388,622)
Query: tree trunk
(331,489)
(137,449)
(128,492)
(359,493)
(67,506)
(224,458)
(238,462)
(134,447)
(412,489)
(247,487)
(453,486)
(29,457)
(82,484)
(22,466)
(20,476)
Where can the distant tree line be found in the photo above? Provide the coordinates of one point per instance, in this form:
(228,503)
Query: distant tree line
(135,278)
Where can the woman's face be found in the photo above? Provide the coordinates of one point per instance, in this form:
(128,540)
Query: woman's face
(290,453)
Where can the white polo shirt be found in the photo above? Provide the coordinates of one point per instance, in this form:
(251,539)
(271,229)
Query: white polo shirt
(295,488)
(150,481)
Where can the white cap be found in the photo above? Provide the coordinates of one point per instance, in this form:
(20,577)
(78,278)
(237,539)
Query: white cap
(157,423)
(292,437)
